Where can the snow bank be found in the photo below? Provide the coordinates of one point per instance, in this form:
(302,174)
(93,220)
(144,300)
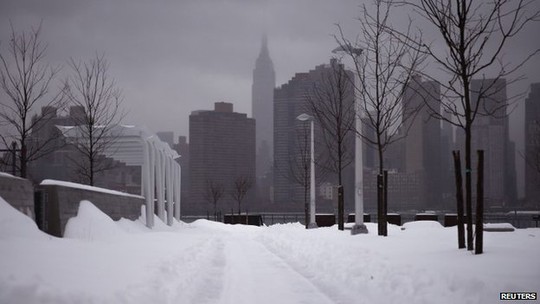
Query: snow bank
(209,262)
(159,225)
(499,226)
(130,226)
(422,225)
(48,182)
(15,224)
(91,224)
(7,175)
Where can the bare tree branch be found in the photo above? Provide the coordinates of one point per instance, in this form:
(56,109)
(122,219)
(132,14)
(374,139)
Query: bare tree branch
(384,71)
(214,192)
(475,34)
(331,100)
(26,80)
(99,100)
(239,190)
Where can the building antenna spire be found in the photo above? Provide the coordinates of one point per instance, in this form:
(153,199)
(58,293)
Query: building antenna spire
(264,43)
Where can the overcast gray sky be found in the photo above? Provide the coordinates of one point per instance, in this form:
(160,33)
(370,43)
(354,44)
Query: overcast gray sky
(173,57)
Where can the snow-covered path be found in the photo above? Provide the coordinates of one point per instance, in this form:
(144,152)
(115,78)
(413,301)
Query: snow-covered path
(103,261)
(255,275)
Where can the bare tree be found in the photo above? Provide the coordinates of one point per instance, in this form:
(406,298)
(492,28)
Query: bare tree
(239,190)
(331,100)
(214,192)
(299,166)
(297,170)
(99,100)
(26,81)
(384,69)
(475,34)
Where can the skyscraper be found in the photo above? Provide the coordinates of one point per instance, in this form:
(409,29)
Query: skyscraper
(532,145)
(423,141)
(221,149)
(262,93)
(490,133)
(290,100)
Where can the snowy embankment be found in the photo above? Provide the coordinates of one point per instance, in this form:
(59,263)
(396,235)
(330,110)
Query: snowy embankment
(103,261)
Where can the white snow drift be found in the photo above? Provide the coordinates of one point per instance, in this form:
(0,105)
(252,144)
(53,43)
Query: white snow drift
(103,261)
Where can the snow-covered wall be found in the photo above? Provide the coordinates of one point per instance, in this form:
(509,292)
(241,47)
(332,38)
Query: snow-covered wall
(61,200)
(18,192)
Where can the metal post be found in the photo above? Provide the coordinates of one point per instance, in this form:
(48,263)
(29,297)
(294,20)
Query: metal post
(177,190)
(359,226)
(170,206)
(312,222)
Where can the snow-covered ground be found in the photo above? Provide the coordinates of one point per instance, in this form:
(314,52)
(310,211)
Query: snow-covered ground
(102,261)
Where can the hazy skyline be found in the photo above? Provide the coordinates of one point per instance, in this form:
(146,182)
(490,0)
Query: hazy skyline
(182,56)
(174,57)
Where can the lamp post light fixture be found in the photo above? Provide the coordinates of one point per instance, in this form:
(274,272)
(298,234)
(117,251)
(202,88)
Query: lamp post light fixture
(359,226)
(312,221)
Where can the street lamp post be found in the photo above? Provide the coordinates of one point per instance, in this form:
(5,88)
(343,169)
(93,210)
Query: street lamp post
(359,226)
(312,221)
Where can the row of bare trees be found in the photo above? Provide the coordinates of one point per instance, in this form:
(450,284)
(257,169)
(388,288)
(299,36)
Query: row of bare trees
(471,39)
(27,82)
(475,35)
(238,191)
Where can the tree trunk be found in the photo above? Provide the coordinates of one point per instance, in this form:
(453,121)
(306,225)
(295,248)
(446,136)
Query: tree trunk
(385,203)
(380,191)
(459,199)
(14,158)
(480,205)
(468,187)
(341,203)
(23,159)
(91,171)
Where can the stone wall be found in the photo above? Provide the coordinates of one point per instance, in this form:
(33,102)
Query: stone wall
(60,202)
(18,192)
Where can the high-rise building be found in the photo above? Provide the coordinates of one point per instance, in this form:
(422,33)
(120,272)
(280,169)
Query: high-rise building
(490,133)
(423,142)
(262,93)
(61,161)
(291,135)
(532,145)
(221,150)
(448,188)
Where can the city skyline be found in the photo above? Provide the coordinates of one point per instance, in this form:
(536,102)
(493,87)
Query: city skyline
(174,58)
(211,58)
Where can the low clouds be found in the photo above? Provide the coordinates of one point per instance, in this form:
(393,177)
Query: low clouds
(173,57)
(178,56)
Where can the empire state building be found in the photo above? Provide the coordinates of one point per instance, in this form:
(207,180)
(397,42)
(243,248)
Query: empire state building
(262,90)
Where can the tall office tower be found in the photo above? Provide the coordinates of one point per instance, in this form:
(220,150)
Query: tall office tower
(423,141)
(262,94)
(290,136)
(490,133)
(532,145)
(221,150)
(447,164)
